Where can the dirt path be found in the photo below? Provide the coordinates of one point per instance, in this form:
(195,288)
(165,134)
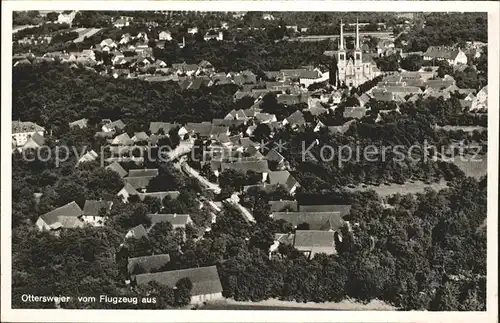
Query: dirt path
(275,304)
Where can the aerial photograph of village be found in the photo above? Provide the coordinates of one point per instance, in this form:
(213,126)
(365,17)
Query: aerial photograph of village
(230,160)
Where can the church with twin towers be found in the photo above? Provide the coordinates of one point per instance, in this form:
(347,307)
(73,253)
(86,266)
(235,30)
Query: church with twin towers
(352,68)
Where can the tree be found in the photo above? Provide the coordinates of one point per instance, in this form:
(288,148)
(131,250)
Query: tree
(411,62)
(164,239)
(182,292)
(52,16)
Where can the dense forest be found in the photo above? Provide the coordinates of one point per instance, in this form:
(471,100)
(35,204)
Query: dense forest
(446,29)
(53,95)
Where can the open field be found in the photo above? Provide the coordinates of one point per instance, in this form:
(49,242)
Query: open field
(275,304)
(85,32)
(462,128)
(476,167)
(406,188)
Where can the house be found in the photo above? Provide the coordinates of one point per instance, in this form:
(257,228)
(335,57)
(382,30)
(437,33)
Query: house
(218,36)
(121,22)
(127,191)
(453,56)
(125,39)
(201,129)
(324,221)
(34,142)
(183,68)
(263,117)
(165,35)
(137,232)
(291,99)
(364,99)
(354,112)
(309,77)
(284,205)
(117,168)
(22,131)
(205,280)
(276,158)
(143,172)
(66,17)
(193,30)
(113,126)
(122,140)
(94,211)
(342,209)
(245,77)
(90,156)
(65,217)
(138,182)
(267,16)
(258,166)
(481,100)
(82,123)
(312,242)
(173,195)
(147,264)
(284,178)
(107,43)
(295,120)
(140,136)
(177,220)
(161,127)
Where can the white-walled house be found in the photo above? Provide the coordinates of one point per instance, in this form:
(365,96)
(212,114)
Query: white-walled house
(22,131)
(453,56)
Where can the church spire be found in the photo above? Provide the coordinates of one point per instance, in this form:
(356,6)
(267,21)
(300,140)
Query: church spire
(341,47)
(357,34)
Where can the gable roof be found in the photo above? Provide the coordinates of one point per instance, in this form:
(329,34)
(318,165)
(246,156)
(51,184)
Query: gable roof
(143,172)
(441,52)
(88,157)
(137,232)
(118,124)
(140,136)
(296,118)
(354,112)
(148,263)
(82,123)
(25,126)
(342,209)
(36,138)
(259,166)
(129,189)
(154,126)
(116,167)
(317,220)
(66,216)
(273,155)
(278,206)
(201,128)
(139,181)
(315,241)
(205,280)
(93,207)
(159,195)
(123,139)
(282,177)
(177,220)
